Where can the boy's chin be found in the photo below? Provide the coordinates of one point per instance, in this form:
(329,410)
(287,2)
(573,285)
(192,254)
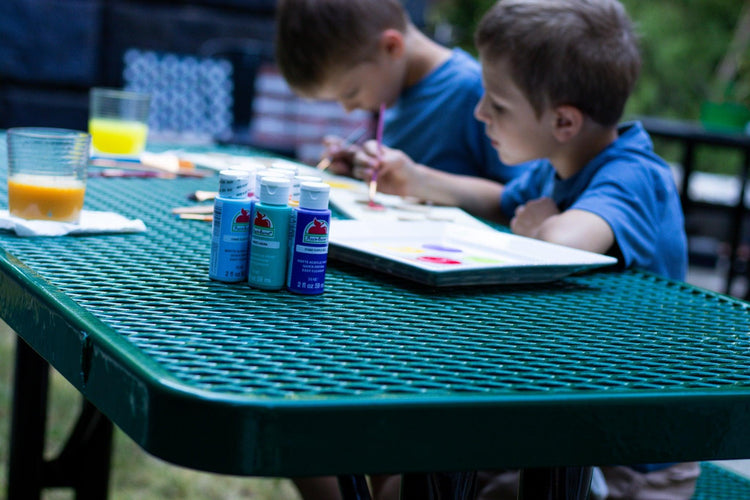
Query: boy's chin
(513,161)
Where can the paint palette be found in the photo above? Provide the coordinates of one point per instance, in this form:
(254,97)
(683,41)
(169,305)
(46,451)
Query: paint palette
(448,254)
(350,196)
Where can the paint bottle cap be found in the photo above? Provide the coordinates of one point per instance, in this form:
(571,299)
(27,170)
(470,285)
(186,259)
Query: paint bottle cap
(244,163)
(249,166)
(314,195)
(284,165)
(259,174)
(274,190)
(234,184)
(278,172)
(309,178)
(297,182)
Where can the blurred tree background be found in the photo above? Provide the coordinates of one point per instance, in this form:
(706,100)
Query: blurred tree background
(683,44)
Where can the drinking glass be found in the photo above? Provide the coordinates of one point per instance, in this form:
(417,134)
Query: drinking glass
(47,172)
(118,121)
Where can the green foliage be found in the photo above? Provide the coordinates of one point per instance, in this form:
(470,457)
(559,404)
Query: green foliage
(682,42)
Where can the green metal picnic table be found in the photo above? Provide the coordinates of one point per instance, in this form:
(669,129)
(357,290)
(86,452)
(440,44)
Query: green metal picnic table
(376,375)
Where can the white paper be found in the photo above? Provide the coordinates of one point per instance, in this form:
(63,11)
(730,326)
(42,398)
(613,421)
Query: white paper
(90,222)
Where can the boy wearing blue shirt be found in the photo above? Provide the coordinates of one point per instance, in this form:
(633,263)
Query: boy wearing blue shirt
(558,94)
(557,75)
(364,53)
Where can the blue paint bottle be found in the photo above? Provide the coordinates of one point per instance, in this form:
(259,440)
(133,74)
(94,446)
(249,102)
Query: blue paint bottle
(269,235)
(308,250)
(231,228)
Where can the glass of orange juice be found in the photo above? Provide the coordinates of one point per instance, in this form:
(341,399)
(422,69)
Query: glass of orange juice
(118,121)
(47,172)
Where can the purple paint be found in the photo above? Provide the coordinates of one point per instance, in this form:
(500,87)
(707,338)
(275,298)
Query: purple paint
(441,248)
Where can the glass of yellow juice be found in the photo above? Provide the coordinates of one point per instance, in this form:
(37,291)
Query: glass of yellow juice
(118,121)
(47,173)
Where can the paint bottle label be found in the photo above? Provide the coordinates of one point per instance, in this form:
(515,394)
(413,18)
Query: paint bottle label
(308,250)
(231,229)
(269,233)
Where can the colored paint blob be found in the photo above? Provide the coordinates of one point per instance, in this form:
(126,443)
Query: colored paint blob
(372,205)
(375,206)
(406,249)
(340,185)
(441,248)
(484,260)
(438,260)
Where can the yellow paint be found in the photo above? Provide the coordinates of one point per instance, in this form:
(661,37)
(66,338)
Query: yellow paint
(45,197)
(341,185)
(118,136)
(404,249)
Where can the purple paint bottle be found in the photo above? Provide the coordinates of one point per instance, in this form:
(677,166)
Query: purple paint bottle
(308,240)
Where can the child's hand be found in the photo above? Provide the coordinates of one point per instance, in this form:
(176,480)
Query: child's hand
(396,171)
(400,175)
(529,218)
(340,155)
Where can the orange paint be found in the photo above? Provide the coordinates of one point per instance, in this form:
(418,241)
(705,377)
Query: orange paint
(45,197)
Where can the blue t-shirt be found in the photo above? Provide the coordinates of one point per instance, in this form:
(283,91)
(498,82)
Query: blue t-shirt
(433,122)
(628,186)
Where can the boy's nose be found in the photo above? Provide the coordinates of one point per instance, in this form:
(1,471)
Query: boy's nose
(478,112)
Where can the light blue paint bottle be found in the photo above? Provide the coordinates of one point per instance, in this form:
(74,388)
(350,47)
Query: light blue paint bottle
(230,233)
(269,235)
(308,240)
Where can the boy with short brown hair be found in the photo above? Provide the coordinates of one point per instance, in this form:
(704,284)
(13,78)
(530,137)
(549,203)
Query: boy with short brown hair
(557,75)
(364,53)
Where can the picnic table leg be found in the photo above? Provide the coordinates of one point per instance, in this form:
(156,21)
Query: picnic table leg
(29,413)
(439,486)
(559,483)
(737,220)
(354,487)
(84,462)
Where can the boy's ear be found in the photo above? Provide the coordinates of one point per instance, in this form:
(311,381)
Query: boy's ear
(392,42)
(568,122)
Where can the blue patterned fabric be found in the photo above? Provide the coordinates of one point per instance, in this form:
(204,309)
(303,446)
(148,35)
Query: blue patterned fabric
(188,94)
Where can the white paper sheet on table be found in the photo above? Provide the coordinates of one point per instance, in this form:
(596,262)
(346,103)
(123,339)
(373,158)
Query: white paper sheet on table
(90,222)
(351,198)
(449,254)
(348,195)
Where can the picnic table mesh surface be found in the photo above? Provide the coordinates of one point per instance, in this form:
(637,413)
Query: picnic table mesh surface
(378,335)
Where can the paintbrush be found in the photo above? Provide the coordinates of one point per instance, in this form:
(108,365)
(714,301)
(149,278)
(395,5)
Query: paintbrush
(350,139)
(379,140)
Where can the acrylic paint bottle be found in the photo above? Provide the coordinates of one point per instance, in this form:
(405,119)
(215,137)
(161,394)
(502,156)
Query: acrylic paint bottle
(308,250)
(296,183)
(286,173)
(269,235)
(231,228)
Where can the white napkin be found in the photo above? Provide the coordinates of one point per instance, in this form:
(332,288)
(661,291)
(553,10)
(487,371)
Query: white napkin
(89,223)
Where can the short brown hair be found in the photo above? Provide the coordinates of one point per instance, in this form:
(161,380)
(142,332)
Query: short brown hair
(582,53)
(315,37)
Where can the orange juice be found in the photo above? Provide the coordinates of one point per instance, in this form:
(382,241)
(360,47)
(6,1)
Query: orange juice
(45,197)
(122,137)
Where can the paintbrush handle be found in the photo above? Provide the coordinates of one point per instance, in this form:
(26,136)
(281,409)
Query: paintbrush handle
(379,139)
(379,132)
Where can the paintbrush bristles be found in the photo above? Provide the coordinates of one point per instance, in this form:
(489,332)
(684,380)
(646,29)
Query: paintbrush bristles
(323,164)
(373,188)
